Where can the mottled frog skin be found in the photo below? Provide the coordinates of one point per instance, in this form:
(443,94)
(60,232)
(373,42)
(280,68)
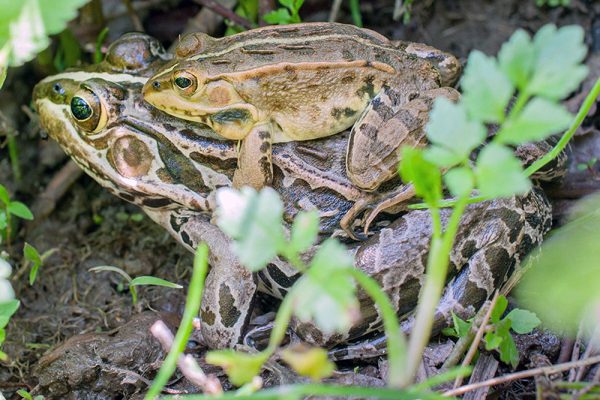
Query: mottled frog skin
(306,81)
(171,168)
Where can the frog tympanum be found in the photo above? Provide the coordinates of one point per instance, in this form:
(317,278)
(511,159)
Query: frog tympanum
(171,168)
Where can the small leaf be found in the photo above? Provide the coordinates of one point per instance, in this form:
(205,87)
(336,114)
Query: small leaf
(151,280)
(325,294)
(239,367)
(460,181)
(20,210)
(555,77)
(441,156)
(3,223)
(304,231)
(33,256)
(253,220)
(508,352)
(499,308)
(449,127)
(4,196)
(280,16)
(516,58)
(309,361)
(109,268)
(539,119)
(492,341)
(7,309)
(499,173)
(424,175)
(523,321)
(486,89)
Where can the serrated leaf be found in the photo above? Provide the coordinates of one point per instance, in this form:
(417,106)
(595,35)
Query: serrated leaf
(31,254)
(449,127)
(309,361)
(305,229)
(253,220)
(499,173)
(517,57)
(460,181)
(555,77)
(499,308)
(325,294)
(4,196)
(239,367)
(20,210)
(539,119)
(523,321)
(486,89)
(424,175)
(7,309)
(151,280)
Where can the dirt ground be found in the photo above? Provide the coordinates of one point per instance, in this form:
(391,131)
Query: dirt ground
(77,334)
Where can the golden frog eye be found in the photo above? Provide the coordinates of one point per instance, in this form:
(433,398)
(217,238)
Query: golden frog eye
(87,111)
(185,82)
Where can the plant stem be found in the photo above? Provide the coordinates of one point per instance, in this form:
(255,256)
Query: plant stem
(396,342)
(282,320)
(355,11)
(589,101)
(320,390)
(437,268)
(13,154)
(192,306)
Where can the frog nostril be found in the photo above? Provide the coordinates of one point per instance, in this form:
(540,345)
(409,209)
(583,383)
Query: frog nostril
(156,85)
(57,88)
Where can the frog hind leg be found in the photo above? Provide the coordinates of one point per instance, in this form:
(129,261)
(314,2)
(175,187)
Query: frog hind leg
(255,166)
(385,126)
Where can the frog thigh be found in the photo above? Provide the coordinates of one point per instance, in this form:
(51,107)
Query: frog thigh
(385,126)
(255,166)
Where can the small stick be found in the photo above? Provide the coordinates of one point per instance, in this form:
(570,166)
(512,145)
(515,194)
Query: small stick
(186,363)
(225,12)
(335,9)
(135,19)
(522,375)
(477,339)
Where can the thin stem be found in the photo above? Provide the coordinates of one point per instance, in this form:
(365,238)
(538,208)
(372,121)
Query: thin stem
(437,268)
(355,11)
(192,306)
(13,154)
(396,342)
(315,389)
(282,320)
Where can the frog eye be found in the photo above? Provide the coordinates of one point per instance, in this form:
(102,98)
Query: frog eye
(185,82)
(87,111)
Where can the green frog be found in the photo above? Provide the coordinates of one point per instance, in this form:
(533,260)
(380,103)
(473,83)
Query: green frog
(172,169)
(306,81)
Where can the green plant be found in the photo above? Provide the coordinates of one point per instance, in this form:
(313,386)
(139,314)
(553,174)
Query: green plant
(27,396)
(288,14)
(25,26)
(9,208)
(139,281)
(553,3)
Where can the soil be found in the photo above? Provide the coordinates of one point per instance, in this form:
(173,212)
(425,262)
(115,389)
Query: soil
(77,334)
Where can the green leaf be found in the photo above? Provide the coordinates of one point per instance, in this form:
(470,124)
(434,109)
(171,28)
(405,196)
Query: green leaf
(486,89)
(239,367)
(441,156)
(280,16)
(423,174)
(109,268)
(30,253)
(325,294)
(555,77)
(499,308)
(304,231)
(309,361)
(492,340)
(460,328)
(460,181)
(253,220)
(151,280)
(499,173)
(523,321)
(20,210)
(516,58)
(450,128)
(4,196)
(3,223)
(508,352)
(7,309)
(539,119)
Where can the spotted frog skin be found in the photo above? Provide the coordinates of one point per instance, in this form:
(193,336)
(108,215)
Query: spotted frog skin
(171,168)
(307,81)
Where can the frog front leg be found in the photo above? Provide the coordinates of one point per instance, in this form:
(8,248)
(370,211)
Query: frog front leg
(255,167)
(229,289)
(388,123)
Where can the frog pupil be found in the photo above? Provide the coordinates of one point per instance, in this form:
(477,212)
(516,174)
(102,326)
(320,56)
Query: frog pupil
(80,108)
(183,82)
